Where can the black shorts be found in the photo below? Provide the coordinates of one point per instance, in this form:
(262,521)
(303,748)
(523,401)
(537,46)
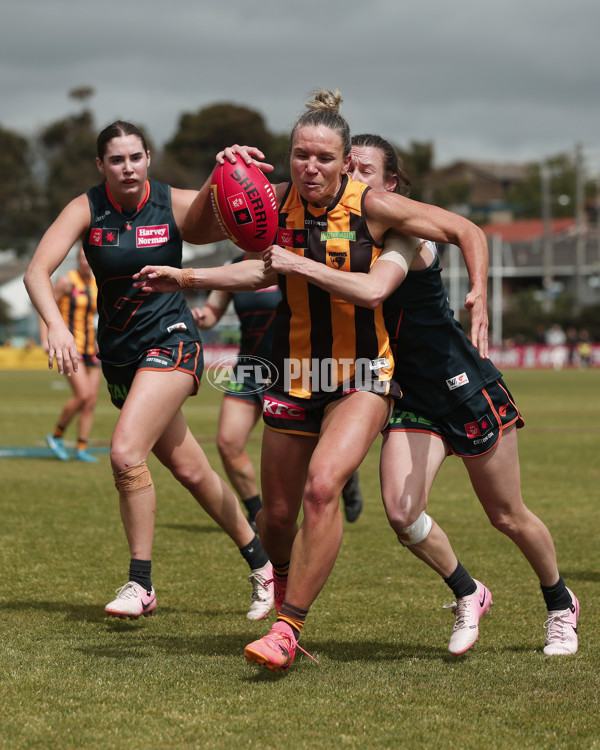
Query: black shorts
(187,357)
(90,360)
(246,385)
(472,428)
(301,416)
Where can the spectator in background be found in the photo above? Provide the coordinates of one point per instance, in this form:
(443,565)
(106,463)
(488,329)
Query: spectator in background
(584,348)
(540,334)
(555,336)
(572,339)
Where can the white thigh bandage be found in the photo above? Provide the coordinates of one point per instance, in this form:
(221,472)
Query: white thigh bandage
(416,532)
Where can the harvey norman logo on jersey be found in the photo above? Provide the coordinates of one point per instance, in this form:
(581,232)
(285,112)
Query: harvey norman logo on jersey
(151,236)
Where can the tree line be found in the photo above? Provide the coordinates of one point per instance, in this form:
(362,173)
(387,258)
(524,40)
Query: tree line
(41,173)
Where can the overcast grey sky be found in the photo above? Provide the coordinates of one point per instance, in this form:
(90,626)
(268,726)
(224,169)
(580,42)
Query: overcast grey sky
(511,80)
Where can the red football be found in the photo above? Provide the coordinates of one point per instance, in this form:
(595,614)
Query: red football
(245,204)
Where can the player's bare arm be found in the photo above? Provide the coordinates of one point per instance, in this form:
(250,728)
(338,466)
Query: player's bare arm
(249,275)
(363,289)
(386,210)
(54,247)
(200,225)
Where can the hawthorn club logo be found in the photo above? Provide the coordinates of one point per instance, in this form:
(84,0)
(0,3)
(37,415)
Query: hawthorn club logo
(338,259)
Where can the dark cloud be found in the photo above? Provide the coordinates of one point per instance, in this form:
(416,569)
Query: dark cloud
(509,80)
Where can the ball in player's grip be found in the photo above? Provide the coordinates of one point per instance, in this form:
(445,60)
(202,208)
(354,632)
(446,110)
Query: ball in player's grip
(245,204)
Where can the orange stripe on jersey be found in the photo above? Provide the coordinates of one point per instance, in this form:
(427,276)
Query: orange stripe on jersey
(300,329)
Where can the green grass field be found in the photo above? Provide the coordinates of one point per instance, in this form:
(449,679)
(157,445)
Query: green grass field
(71,678)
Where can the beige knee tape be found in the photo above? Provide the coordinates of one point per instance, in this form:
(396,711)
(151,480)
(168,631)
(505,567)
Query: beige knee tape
(133,480)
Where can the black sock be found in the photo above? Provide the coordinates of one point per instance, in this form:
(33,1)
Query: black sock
(252,505)
(254,554)
(139,571)
(557,597)
(281,570)
(461,582)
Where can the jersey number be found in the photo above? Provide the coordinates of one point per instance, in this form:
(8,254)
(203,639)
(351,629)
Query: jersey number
(125,306)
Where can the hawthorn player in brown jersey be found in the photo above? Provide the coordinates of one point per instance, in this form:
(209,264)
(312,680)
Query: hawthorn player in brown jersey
(76,294)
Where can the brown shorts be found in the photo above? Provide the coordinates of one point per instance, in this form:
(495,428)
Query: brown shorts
(301,416)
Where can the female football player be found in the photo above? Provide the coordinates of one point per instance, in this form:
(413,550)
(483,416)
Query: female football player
(150,351)
(332,362)
(454,402)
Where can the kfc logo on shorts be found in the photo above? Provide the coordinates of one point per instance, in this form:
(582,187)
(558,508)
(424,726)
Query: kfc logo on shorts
(479,428)
(282,410)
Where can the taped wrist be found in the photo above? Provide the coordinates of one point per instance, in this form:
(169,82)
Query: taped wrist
(133,480)
(188,278)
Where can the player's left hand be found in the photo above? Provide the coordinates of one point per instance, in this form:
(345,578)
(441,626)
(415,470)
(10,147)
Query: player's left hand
(248,154)
(476,306)
(278,260)
(62,348)
(158,279)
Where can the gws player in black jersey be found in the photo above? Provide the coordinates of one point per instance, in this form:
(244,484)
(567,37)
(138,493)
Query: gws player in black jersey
(150,351)
(454,402)
(333,364)
(243,400)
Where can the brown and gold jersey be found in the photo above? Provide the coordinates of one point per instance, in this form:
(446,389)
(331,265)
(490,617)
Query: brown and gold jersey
(321,341)
(78,309)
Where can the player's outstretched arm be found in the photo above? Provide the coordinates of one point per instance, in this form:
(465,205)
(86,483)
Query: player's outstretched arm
(362,289)
(249,275)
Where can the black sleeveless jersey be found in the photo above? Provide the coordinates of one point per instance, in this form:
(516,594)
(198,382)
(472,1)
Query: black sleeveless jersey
(435,363)
(118,245)
(256,313)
